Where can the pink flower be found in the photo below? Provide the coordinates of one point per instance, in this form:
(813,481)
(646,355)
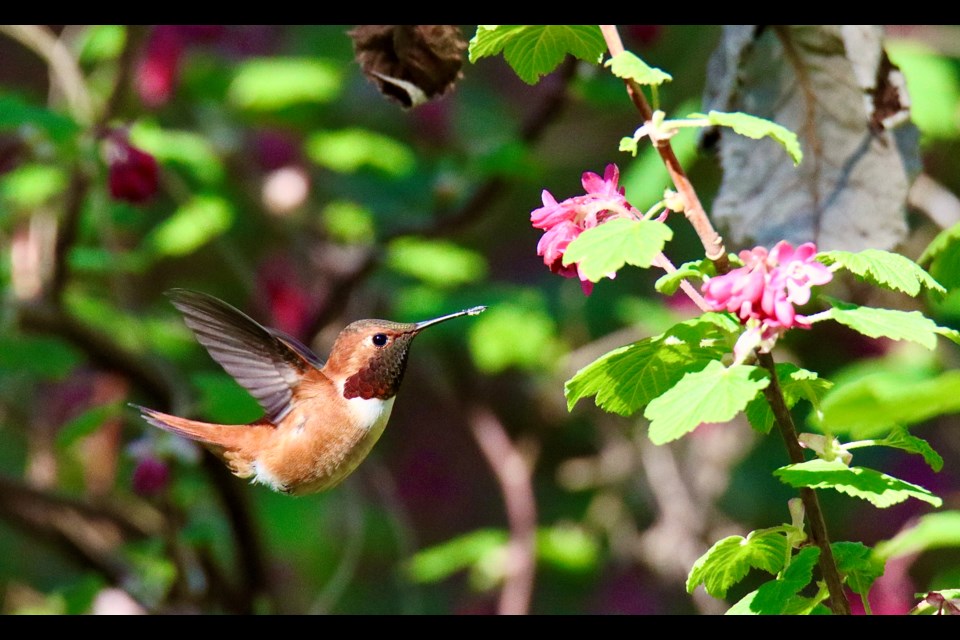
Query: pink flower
(563,222)
(150,477)
(765,292)
(133,173)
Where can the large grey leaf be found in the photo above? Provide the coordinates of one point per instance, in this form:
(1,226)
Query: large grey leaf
(834,87)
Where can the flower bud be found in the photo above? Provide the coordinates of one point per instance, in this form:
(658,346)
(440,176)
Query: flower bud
(133,173)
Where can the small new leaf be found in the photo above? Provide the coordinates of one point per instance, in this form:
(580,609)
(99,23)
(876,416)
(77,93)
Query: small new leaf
(797,384)
(668,283)
(858,563)
(878,488)
(729,560)
(606,248)
(886,323)
(756,128)
(715,394)
(534,50)
(900,438)
(629,66)
(884,269)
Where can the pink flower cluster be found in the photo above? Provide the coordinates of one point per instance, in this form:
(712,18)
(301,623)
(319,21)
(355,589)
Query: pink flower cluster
(563,221)
(764,292)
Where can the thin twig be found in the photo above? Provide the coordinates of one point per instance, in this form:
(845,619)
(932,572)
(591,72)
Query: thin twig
(514,477)
(811,504)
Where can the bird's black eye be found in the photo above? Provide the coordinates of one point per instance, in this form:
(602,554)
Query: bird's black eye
(380,339)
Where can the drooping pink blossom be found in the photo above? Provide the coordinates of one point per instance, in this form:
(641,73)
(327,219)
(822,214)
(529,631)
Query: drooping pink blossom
(133,174)
(563,222)
(765,292)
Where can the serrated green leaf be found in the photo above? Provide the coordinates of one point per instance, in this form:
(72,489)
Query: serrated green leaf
(779,596)
(886,323)
(715,394)
(884,269)
(270,84)
(931,531)
(878,488)
(756,128)
(536,50)
(870,405)
(86,423)
(606,248)
(628,65)
(668,283)
(192,225)
(900,438)
(347,150)
(625,380)
(858,563)
(797,384)
(437,262)
(729,560)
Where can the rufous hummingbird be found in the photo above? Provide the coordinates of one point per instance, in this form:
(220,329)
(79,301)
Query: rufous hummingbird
(321,419)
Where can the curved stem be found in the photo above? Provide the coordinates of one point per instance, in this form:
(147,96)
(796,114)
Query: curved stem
(818,526)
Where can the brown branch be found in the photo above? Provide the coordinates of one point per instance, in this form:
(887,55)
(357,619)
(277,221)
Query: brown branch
(695,213)
(514,477)
(811,504)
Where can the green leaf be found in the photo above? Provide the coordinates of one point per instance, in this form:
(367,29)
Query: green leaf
(536,50)
(934,86)
(878,488)
(16,113)
(729,560)
(86,423)
(32,185)
(518,334)
(605,249)
(779,596)
(931,531)
(192,225)
(858,563)
(886,323)
(437,262)
(271,84)
(943,257)
(349,222)
(568,547)
(715,394)
(101,42)
(668,283)
(871,404)
(628,65)
(884,269)
(625,380)
(900,438)
(347,150)
(100,260)
(443,560)
(190,151)
(797,384)
(756,128)
(40,356)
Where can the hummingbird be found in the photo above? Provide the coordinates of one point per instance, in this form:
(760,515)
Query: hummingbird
(320,419)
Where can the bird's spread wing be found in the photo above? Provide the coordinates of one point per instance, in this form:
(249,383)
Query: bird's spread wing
(266,362)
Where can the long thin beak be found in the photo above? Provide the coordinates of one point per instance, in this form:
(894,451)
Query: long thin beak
(472,311)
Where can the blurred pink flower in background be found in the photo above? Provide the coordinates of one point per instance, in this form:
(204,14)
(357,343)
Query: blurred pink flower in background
(133,173)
